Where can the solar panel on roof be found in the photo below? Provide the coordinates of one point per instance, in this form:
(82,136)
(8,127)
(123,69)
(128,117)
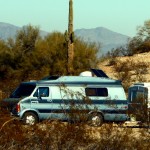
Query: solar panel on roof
(99,73)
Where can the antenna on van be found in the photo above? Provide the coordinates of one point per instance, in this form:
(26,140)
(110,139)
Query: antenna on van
(99,73)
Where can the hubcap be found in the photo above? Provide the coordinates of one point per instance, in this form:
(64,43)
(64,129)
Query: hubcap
(30,120)
(96,120)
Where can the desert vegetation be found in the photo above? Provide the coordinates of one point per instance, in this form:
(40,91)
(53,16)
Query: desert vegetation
(130,63)
(62,135)
(136,45)
(56,134)
(30,57)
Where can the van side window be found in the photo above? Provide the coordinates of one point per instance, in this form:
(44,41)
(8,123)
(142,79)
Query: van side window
(103,92)
(43,92)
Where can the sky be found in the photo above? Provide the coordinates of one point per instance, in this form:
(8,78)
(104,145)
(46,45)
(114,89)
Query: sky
(122,16)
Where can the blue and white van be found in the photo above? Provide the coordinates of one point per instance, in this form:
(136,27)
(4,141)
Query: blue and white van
(54,97)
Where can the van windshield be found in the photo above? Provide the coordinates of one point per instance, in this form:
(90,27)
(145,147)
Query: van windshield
(24,90)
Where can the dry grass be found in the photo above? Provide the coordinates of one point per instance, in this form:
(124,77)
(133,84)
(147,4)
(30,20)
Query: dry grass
(57,135)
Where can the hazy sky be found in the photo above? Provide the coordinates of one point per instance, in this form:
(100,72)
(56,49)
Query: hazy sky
(122,16)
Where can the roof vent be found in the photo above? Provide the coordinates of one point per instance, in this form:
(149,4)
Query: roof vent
(86,74)
(94,72)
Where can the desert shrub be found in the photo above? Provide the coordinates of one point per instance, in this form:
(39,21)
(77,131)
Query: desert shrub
(112,61)
(140,69)
(138,110)
(55,134)
(60,135)
(130,71)
(76,105)
(113,55)
(123,72)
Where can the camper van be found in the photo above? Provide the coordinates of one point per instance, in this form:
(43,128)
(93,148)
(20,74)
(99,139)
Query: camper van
(56,97)
(139,101)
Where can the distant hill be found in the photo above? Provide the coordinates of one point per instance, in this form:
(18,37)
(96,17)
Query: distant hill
(8,30)
(107,38)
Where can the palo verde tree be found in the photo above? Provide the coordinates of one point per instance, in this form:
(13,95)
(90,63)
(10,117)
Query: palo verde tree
(6,59)
(25,43)
(53,54)
(26,38)
(141,42)
(85,56)
(144,31)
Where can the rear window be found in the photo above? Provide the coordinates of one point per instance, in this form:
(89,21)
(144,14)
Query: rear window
(23,90)
(138,96)
(102,92)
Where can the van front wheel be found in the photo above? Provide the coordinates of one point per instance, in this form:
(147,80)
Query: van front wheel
(30,118)
(95,119)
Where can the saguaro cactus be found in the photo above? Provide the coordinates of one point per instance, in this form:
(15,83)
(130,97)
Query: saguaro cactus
(70,38)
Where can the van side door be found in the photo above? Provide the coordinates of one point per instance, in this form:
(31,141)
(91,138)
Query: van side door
(42,102)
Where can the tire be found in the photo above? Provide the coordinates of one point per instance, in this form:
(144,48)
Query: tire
(95,119)
(30,118)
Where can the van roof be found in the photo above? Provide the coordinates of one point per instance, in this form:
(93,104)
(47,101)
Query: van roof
(92,72)
(81,80)
(97,77)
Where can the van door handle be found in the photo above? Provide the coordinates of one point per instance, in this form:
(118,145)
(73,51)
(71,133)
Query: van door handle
(35,102)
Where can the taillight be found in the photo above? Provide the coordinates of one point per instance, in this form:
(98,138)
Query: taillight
(124,107)
(18,107)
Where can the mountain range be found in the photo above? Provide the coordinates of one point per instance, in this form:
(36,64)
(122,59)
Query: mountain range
(106,38)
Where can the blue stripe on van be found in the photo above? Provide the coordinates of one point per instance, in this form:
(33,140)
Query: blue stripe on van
(58,101)
(109,111)
(61,101)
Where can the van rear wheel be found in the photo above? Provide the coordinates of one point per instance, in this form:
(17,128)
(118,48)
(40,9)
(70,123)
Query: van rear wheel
(30,118)
(95,119)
